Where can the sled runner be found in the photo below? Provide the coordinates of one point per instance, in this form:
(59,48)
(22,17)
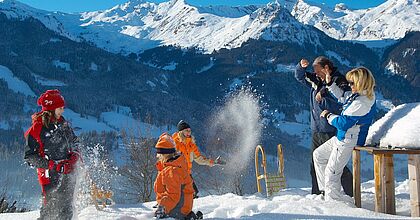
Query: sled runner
(274,182)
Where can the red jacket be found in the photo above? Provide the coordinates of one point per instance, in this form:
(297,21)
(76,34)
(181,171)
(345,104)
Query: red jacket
(38,142)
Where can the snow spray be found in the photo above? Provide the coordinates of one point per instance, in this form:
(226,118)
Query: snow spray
(95,168)
(236,130)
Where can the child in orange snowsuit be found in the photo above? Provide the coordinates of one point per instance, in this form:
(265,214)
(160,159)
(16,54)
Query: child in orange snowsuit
(173,184)
(185,143)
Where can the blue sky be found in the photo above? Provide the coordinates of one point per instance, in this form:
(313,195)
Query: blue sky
(94,5)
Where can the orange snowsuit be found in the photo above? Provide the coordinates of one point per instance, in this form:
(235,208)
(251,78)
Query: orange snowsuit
(174,187)
(191,152)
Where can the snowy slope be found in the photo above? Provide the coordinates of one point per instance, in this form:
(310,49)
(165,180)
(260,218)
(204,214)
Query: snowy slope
(292,203)
(14,83)
(390,20)
(19,86)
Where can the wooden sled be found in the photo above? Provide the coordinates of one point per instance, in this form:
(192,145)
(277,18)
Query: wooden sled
(274,182)
(101,198)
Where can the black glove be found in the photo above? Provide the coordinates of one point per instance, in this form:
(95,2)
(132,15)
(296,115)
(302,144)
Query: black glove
(219,161)
(160,212)
(190,216)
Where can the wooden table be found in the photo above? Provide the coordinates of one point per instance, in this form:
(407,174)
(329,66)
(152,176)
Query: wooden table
(384,178)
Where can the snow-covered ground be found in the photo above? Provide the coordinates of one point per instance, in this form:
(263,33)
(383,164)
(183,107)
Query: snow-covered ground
(293,203)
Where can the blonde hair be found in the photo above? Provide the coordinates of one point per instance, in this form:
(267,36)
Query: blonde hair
(363,80)
(46,116)
(165,157)
(183,139)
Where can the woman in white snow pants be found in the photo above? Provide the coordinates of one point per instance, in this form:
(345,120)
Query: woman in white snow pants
(352,128)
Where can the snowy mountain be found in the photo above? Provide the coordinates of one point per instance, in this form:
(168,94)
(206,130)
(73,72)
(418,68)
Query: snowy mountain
(138,25)
(180,24)
(389,21)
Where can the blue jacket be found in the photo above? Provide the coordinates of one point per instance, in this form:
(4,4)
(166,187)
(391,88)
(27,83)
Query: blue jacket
(354,121)
(328,101)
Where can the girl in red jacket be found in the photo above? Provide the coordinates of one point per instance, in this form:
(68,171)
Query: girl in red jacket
(50,147)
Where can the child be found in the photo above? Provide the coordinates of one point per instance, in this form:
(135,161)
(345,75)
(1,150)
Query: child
(185,143)
(50,147)
(173,184)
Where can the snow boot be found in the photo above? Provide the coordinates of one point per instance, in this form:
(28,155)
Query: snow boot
(199,215)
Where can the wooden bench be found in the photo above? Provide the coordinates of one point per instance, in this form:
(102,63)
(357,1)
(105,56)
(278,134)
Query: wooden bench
(384,178)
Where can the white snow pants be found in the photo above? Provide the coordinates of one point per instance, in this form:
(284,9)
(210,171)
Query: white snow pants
(329,160)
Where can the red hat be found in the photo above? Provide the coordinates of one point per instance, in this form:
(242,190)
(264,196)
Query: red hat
(165,144)
(50,100)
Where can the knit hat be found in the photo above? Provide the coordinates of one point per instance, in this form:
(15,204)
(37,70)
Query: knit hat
(182,125)
(50,100)
(165,144)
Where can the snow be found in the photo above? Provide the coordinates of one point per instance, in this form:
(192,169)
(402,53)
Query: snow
(383,103)
(291,203)
(303,131)
(151,84)
(60,64)
(409,51)
(392,68)
(300,128)
(282,68)
(47,82)
(55,40)
(122,121)
(86,124)
(398,128)
(15,84)
(171,66)
(236,83)
(340,59)
(93,66)
(375,26)
(209,66)
(136,26)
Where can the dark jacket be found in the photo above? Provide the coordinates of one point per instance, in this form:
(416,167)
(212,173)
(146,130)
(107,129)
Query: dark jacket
(328,101)
(43,144)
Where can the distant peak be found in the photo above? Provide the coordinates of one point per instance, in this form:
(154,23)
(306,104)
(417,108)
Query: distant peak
(340,6)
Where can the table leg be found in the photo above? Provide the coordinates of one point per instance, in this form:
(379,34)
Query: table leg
(356,179)
(389,184)
(414,183)
(377,159)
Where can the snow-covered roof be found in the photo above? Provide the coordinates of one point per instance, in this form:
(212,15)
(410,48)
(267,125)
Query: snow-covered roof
(400,127)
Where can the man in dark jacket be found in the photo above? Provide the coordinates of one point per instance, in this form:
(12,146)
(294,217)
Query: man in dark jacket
(320,100)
